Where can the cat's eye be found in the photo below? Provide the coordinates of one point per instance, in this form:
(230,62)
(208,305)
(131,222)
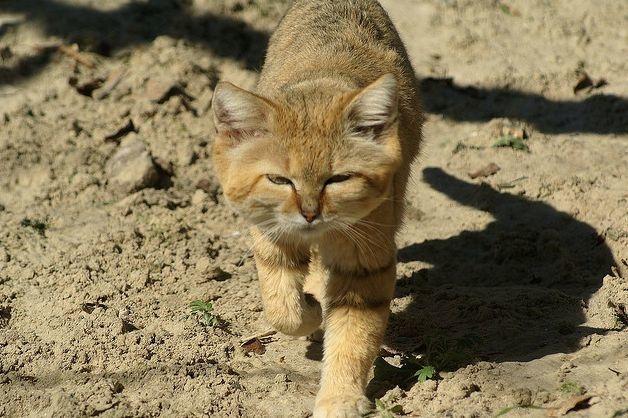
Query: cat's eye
(278,179)
(338,178)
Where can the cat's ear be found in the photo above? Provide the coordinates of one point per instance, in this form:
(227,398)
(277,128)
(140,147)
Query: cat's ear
(375,108)
(239,113)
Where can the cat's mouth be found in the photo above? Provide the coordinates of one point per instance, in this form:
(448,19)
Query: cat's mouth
(309,229)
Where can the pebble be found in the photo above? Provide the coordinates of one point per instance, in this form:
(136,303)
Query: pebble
(132,168)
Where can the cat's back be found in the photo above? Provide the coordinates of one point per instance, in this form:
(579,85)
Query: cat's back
(351,39)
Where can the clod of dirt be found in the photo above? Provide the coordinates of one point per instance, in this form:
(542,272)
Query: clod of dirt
(122,130)
(209,272)
(132,168)
(160,90)
(486,171)
(522,397)
(86,87)
(203,264)
(575,403)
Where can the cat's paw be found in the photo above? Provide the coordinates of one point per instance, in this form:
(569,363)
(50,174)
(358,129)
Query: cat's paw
(342,407)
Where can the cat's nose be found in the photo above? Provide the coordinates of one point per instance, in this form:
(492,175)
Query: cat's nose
(309,216)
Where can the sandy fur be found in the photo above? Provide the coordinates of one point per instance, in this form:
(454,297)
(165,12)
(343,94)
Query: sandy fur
(337,92)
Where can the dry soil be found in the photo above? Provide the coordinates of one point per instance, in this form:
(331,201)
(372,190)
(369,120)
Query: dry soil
(512,285)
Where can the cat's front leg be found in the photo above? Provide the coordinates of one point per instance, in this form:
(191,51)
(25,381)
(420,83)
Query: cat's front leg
(357,310)
(281,270)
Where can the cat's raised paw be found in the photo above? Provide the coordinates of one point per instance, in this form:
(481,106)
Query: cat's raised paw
(342,407)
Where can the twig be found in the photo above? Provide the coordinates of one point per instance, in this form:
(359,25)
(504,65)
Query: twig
(258,336)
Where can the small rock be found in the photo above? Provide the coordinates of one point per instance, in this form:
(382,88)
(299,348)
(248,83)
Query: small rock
(124,313)
(203,264)
(132,168)
(485,171)
(217,274)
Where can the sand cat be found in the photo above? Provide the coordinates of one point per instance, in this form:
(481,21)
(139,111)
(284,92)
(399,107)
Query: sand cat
(317,159)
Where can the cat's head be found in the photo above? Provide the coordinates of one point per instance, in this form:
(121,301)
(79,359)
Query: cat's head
(307,162)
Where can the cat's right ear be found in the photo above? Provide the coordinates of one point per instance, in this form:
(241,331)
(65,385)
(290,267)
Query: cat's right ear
(239,113)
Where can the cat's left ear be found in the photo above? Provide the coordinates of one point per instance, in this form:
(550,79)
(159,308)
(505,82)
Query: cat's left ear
(375,108)
(239,113)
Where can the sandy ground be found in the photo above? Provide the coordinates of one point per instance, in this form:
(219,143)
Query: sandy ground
(513,286)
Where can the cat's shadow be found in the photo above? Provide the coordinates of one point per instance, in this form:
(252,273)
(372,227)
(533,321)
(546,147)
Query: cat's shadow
(514,291)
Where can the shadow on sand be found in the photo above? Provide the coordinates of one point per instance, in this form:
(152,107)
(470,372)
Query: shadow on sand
(139,22)
(514,291)
(135,23)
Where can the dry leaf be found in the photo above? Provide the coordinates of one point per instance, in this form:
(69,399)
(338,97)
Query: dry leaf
(254,345)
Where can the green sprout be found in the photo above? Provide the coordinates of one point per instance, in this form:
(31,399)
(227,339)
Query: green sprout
(571,388)
(206,309)
(425,373)
(512,142)
(386,411)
